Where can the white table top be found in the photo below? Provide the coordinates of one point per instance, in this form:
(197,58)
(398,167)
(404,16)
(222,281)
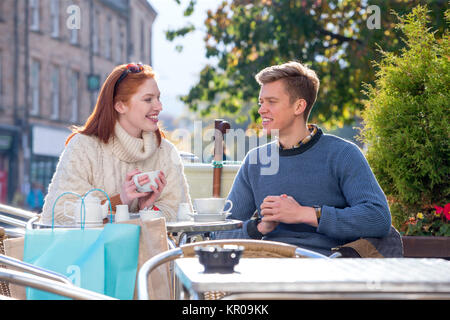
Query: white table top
(321,276)
(191,226)
(179,226)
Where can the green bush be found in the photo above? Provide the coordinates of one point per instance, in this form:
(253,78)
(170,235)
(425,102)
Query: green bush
(406,120)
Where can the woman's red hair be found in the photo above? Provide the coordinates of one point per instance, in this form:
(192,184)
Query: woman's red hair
(103,119)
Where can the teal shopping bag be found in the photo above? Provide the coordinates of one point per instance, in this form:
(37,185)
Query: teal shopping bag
(121,243)
(77,254)
(101,260)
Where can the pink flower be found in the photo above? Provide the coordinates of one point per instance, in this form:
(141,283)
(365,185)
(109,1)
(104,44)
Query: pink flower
(447,211)
(439,210)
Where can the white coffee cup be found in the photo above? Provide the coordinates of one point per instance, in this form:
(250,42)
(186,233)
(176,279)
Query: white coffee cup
(122,213)
(212,205)
(147,215)
(152,175)
(184,212)
(94,212)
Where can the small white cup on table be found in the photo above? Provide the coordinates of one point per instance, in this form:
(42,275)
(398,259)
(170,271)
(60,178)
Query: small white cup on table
(122,213)
(184,212)
(212,205)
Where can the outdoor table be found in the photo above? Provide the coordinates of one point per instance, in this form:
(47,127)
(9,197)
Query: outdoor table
(36,224)
(188,229)
(303,278)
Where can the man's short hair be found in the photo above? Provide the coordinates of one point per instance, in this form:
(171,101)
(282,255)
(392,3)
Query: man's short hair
(300,82)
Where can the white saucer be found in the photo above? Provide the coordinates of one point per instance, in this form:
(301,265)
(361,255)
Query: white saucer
(76,225)
(210,217)
(90,224)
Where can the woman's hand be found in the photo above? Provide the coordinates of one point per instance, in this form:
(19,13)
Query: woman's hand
(129,192)
(150,198)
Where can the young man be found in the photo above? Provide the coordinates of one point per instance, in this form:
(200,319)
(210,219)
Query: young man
(323,194)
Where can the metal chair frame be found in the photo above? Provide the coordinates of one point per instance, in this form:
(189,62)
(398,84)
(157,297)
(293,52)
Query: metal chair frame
(17,211)
(48,285)
(15,217)
(29,268)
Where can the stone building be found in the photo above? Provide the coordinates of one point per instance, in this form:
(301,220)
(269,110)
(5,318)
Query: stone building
(54,56)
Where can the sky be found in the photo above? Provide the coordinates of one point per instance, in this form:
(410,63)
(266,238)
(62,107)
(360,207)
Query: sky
(178,71)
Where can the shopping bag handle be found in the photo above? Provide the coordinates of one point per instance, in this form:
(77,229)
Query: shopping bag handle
(83,207)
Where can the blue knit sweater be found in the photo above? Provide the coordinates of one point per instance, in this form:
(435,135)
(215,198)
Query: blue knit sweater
(327,171)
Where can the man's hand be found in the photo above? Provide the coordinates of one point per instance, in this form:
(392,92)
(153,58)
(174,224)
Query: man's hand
(265,227)
(285,209)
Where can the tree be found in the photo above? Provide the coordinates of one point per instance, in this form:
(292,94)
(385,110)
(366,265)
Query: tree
(331,36)
(406,121)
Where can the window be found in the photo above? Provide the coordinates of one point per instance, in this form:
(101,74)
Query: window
(74,36)
(34,21)
(142,41)
(95,39)
(150,48)
(35,87)
(1,10)
(54,14)
(42,169)
(54,92)
(108,39)
(1,79)
(120,45)
(74,95)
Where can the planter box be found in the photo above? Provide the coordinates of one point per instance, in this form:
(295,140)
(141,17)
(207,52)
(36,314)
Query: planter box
(426,247)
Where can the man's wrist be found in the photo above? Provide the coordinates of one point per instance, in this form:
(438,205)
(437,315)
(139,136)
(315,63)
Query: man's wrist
(315,216)
(318,210)
(252,229)
(260,227)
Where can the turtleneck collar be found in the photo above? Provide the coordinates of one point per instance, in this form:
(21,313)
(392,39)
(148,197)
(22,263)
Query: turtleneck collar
(306,144)
(130,149)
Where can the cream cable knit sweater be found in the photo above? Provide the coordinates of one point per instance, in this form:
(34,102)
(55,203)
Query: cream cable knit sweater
(88,163)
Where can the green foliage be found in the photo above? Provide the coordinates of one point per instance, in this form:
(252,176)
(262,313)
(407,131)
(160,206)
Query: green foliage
(406,121)
(330,36)
(171,35)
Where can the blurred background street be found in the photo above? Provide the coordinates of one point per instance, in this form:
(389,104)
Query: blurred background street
(55,55)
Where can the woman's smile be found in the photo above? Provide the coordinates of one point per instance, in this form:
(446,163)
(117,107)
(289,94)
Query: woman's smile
(154,118)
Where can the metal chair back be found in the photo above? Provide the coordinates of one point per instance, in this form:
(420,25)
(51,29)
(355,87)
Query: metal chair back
(52,286)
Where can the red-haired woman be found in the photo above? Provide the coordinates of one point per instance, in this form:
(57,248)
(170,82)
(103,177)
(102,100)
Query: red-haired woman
(120,139)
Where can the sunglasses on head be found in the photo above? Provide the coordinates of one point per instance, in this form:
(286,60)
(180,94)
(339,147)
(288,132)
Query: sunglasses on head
(130,68)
